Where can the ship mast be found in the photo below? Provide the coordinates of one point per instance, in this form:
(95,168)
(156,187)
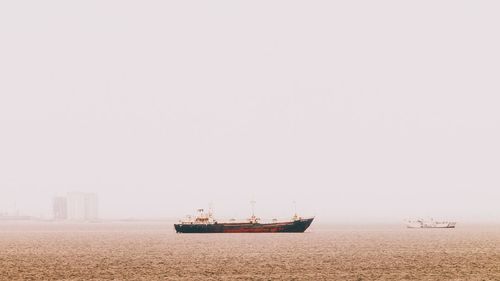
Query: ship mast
(295,216)
(253,219)
(253,207)
(210,210)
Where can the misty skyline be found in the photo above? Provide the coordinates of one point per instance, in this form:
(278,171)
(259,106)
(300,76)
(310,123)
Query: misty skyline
(351,109)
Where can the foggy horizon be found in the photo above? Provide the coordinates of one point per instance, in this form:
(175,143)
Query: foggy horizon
(355,112)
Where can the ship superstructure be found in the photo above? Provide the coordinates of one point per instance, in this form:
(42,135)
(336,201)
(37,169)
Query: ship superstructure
(430,223)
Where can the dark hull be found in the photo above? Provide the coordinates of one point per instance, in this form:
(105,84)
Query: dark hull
(295,226)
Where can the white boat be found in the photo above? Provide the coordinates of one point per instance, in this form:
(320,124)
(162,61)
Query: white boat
(431,223)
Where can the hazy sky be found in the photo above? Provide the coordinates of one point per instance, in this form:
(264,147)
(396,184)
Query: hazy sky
(354,109)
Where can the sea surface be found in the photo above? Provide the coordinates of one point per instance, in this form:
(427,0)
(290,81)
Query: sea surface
(153,251)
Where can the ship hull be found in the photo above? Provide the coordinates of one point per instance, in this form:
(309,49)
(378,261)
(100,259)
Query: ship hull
(294,226)
(448,226)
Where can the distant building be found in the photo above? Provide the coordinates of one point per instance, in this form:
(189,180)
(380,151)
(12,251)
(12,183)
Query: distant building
(91,206)
(77,206)
(60,208)
(82,206)
(13,217)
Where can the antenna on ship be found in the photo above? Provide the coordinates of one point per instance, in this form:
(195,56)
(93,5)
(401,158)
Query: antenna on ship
(210,209)
(295,216)
(253,207)
(253,219)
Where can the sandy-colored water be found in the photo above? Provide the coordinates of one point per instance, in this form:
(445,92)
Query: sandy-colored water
(152,251)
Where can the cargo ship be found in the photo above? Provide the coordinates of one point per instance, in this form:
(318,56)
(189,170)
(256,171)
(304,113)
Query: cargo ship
(431,223)
(205,223)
